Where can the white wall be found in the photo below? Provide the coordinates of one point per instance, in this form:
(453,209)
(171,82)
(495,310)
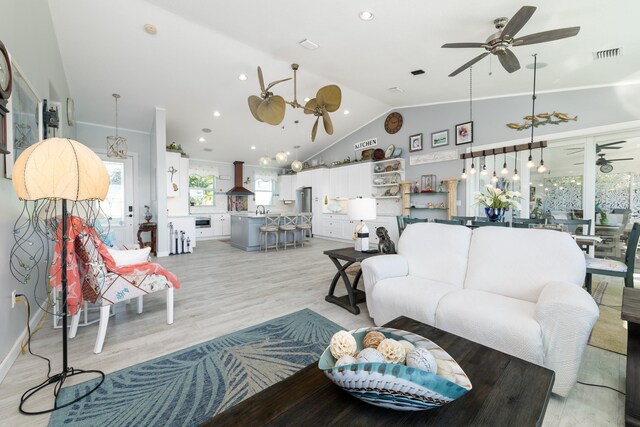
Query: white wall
(27,32)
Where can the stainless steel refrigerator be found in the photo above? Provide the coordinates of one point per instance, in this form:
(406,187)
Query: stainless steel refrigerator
(304,199)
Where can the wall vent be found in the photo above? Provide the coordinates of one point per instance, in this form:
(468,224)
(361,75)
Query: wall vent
(607,53)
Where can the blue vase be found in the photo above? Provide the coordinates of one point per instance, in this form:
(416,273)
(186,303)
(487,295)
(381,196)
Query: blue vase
(495,214)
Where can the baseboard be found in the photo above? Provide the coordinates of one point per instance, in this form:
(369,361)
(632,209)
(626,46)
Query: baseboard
(15,350)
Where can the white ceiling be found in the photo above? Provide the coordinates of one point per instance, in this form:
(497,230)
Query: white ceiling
(191,66)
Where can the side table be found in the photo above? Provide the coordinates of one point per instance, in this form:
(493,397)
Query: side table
(152,228)
(354,295)
(631,313)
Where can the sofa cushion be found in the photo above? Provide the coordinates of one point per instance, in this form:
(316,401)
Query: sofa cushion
(410,296)
(518,262)
(496,321)
(436,251)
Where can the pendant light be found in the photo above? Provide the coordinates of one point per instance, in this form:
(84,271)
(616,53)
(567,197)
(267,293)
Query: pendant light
(504,170)
(296,165)
(281,158)
(515,177)
(472,170)
(542,168)
(116,145)
(494,177)
(530,163)
(483,170)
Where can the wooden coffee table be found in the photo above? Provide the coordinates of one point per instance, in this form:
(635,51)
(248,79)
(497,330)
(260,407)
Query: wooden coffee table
(507,391)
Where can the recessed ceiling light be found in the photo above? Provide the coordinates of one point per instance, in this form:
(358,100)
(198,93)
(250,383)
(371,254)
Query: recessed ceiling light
(346,112)
(288,153)
(366,15)
(242,77)
(206,130)
(253,147)
(307,99)
(308,44)
(201,139)
(150,29)
(216,113)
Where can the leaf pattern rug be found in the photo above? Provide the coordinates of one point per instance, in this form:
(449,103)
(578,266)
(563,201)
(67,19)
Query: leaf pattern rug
(189,386)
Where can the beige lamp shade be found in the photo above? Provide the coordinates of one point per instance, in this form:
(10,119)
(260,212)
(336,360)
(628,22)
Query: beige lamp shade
(60,168)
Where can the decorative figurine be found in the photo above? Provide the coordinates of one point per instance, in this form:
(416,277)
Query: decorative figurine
(189,245)
(170,238)
(147,214)
(416,187)
(182,239)
(385,244)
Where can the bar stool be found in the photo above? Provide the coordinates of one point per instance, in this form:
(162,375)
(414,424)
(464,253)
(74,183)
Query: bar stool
(304,225)
(289,224)
(271,225)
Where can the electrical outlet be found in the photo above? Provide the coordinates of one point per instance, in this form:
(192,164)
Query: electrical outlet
(13,298)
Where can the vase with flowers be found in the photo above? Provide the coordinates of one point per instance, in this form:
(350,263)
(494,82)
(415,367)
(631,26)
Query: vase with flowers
(496,202)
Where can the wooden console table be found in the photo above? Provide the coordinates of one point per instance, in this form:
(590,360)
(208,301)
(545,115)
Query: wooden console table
(152,228)
(631,313)
(354,295)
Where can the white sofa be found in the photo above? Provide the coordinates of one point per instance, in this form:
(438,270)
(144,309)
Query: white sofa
(515,290)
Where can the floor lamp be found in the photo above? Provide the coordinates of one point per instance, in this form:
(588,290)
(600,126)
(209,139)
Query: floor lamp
(59,169)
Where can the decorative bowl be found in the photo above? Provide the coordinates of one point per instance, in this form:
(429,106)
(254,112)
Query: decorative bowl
(398,386)
(334,207)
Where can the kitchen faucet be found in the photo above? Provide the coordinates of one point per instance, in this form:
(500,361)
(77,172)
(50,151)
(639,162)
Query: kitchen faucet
(258,209)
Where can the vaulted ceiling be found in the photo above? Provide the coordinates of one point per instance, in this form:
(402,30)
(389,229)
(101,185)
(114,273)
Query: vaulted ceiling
(191,66)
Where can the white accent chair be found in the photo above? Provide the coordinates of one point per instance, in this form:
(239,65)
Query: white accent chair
(518,291)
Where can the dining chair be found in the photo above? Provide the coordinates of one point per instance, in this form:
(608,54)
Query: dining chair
(449,221)
(401,224)
(289,225)
(572,225)
(271,226)
(465,219)
(489,224)
(304,225)
(408,221)
(529,220)
(610,267)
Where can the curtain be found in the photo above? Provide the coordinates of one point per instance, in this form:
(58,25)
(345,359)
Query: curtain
(204,170)
(265,175)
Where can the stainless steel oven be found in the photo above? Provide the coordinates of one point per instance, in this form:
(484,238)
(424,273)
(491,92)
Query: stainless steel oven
(203,222)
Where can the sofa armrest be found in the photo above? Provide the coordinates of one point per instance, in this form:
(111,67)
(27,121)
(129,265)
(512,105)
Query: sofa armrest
(378,268)
(566,314)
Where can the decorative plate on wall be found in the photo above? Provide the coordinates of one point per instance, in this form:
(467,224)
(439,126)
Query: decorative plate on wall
(393,123)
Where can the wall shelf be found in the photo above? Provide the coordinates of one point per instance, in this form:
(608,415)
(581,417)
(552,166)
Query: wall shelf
(431,192)
(438,209)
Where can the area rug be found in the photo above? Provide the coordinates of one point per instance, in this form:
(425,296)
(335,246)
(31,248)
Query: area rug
(610,332)
(189,386)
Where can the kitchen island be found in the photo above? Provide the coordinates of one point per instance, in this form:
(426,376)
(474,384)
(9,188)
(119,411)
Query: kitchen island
(245,230)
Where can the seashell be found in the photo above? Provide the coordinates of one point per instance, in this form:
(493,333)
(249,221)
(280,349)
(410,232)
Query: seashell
(422,358)
(373,339)
(392,351)
(370,355)
(342,344)
(407,345)
(346,360)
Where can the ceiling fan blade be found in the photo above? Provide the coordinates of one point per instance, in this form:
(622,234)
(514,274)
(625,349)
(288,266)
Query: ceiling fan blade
(469,64)
(310,106)
(609,144)
(329,97)
(610,148)
(271,110)
(509,61)
(326,121)
(518,21)
(619,160)
(314,130)
(272,84)
(581,163)
(470,44)
(546,36)
(260,79)
(254,102)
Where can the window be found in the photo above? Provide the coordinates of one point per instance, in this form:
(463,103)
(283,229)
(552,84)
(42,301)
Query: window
(113,205)
(201,190)
(264,192)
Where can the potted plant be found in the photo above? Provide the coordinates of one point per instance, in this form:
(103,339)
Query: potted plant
(496,202)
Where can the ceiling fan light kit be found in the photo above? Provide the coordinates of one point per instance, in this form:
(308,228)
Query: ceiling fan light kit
(270,108)
(499,43)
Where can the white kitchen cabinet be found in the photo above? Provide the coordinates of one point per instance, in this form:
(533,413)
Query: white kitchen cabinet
(303,179)
(338,182)
(221,224)
(286,188)
(359,180)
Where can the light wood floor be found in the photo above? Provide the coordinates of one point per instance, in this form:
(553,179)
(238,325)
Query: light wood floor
(224,290)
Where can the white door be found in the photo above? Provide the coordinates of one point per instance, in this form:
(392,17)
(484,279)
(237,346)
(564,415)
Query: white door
(118,206)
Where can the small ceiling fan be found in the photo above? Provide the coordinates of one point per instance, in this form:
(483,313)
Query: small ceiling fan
(500,42)
(605,164)
(599,147)
(270,108)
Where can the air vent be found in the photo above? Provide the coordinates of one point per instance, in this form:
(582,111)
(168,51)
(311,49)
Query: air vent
(417,72)
(308,44)
(396,89)
(607,53)
(207,149)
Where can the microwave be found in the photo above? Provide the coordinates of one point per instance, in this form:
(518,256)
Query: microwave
(203,222)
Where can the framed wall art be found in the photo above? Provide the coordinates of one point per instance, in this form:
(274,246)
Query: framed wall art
(415,142)
(440,138)
(24,124)
(464,133)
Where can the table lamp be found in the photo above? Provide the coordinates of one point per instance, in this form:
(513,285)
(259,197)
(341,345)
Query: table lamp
(361,209)
(51,171)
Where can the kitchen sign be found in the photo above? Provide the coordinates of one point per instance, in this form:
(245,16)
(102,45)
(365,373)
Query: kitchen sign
(365,144)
